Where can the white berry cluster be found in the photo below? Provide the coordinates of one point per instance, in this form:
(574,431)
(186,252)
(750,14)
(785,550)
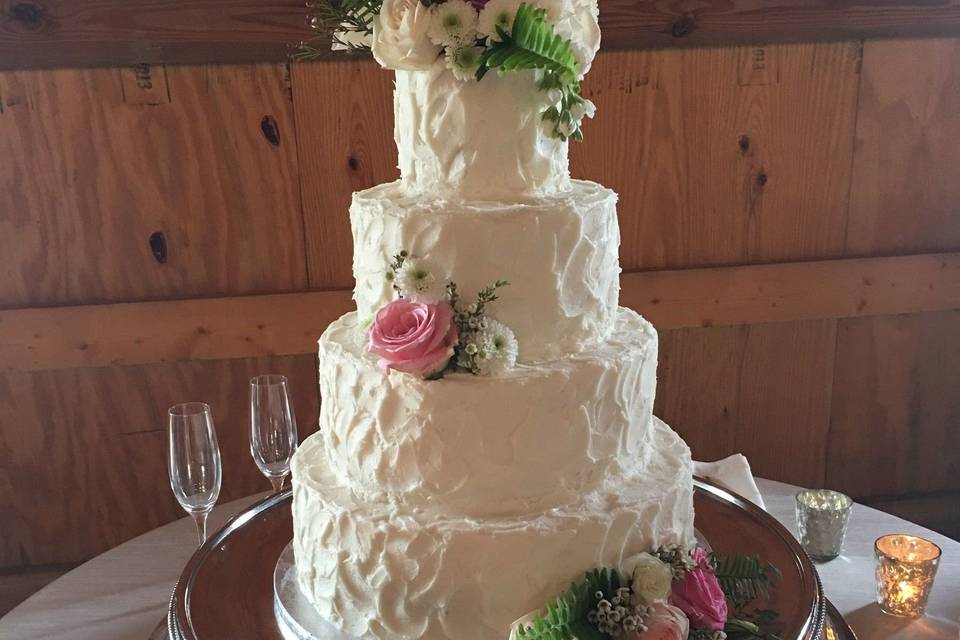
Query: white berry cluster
(619,614)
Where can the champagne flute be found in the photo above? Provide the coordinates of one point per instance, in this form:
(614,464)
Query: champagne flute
(273,427)
(194,461)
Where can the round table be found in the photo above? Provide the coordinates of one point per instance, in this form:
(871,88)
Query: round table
(123,593)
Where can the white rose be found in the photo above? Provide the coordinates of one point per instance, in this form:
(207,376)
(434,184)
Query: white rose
(652,577)
(400,38)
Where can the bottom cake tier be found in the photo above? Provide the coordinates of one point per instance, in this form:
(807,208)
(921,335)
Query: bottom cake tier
(384,570)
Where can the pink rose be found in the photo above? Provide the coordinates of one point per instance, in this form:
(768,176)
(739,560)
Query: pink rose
(414,337)
(664,623)
(699,595)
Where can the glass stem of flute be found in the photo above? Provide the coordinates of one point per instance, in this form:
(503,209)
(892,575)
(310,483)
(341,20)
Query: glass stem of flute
(277,483)
(200,519)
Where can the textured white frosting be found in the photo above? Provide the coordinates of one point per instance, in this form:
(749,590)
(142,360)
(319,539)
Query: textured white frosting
(530,440)
(386,570)
(559,252)
(475,140)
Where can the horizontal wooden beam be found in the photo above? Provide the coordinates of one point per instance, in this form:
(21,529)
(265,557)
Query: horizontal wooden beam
(36,33)
(287,324)
(754,294)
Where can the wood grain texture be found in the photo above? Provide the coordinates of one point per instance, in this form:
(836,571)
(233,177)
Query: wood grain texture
(346,145)
(171,331)
(718,164)
(895,423)
(251,326)
(36,33)
(58,33)
(760,390)
(906,179)
(82,452)
(794,291)
(99,169)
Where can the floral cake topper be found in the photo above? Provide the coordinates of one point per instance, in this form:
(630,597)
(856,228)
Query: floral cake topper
(472,38)
(429,330)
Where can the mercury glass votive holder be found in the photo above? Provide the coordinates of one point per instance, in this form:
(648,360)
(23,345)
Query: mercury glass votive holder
(822,517)
(906,567)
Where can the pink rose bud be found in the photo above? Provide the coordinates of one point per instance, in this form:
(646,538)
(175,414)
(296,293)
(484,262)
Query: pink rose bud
(414,337)
(700,597)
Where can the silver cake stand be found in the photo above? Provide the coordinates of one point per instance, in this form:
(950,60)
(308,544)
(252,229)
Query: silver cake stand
(241,584)
(296,617)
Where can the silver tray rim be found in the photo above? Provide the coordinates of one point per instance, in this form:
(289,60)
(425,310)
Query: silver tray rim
(180,627)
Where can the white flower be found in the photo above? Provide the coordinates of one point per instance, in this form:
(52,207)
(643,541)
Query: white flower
(499,349)
(566,129)
(417,280)
(497,13)
(400,39)
(652,577)
(581,109)
(452,22)
(463,60)
(589,109)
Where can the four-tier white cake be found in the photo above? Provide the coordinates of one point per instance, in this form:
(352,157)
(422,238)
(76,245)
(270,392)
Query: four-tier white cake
(446,509)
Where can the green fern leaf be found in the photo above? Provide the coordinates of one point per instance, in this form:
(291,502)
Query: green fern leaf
(744,578)
(532,44)
(565,617)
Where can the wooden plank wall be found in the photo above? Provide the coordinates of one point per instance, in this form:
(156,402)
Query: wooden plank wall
(789,215)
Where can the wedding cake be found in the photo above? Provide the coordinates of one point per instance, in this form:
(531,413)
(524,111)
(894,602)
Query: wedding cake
(486,431)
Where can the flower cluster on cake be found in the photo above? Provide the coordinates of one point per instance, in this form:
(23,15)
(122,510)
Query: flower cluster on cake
(558,38)
(479,452)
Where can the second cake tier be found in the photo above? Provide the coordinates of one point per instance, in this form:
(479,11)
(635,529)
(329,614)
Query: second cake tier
(559,253)
(519,443)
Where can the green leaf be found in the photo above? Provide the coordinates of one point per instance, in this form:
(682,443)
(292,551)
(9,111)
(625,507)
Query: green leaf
(532,44)
(565,617)
(744,578)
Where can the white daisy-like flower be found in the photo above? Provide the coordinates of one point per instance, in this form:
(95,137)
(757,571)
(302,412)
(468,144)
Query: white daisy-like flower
(452,23)
(463,59)
(497,13)
(417,280)
(500,348)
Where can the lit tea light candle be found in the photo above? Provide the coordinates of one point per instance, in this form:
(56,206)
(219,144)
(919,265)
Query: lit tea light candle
(906,567)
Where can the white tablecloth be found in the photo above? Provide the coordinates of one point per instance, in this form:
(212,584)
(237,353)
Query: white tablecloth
(123,593)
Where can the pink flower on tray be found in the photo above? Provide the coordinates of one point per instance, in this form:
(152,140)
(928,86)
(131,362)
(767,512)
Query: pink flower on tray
(699,595)
(414,337)
(665,622)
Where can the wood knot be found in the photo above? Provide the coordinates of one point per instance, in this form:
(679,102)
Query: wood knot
(744,143)
(270,130)
(762,179)
(682,26)
(26,13)
(353,163)
(158,246)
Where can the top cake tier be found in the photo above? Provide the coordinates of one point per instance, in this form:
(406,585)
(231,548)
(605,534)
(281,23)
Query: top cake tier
(459,138)
(475,140)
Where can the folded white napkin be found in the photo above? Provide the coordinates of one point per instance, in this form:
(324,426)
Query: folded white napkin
(732,473)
